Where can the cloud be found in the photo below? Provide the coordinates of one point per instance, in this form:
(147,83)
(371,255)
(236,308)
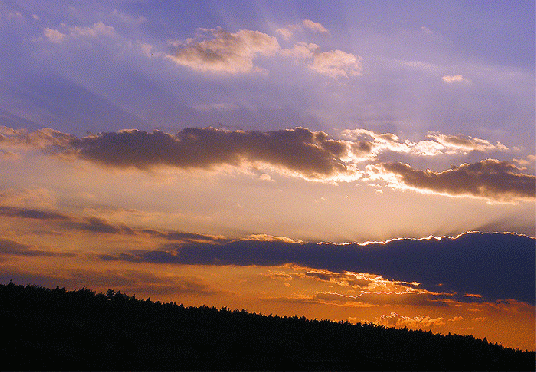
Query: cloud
(184,237)
(313,26)
(97,225)
(306,24)
(31,213)
(11,247)
(92,224)
(128,19)
(495,266)
(465,144)
(45,138)
(426,30)
(97,30)
(301,50)
(337,63)
(224,52)
(436,143)
(101,226)
(400,321)
(334,63)
(53,35)
(452,79)
(299,152)
(133,282)
(357,289)
(311,154)
(488,178)
(286,33)
(27,198)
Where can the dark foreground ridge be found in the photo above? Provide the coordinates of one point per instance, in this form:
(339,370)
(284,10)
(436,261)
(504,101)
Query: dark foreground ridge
(55,329)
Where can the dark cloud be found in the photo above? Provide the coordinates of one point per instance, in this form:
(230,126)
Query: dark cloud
(310,153)
(487,178)
(184,236)
(11,247)
(101,226)
(496,266)
(93,224)
(31,213)
(98,225)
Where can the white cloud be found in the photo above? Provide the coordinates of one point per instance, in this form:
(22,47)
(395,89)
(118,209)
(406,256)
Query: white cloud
(436,144)
(313,26)
(450,79)
(54,36)
(128,19)
(399,321)
(286,33)
(14,16)
(226,52)
(306,24)
(426,30)
(337,63)
(301,50)
(265,177)
(464,144)
(96,30)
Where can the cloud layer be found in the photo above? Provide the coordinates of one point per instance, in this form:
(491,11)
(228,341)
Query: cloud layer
(495,266)
(300,152)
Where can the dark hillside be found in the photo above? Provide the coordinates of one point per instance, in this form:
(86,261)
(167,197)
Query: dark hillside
(54,329)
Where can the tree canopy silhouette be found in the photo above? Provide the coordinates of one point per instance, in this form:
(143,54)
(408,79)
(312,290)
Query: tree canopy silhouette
(56,329)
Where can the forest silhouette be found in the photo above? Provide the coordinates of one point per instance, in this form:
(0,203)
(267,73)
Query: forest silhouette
(56,329)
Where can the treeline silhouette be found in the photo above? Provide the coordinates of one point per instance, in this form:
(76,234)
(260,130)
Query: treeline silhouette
(56,329)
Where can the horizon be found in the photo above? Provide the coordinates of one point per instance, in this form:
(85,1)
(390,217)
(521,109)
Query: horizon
(366,162)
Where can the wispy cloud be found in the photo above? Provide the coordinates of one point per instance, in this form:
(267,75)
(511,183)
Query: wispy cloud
(306,25)
(96,30)
(130,281)
(45,138)
(301,50)
(31,213)
(435,144)
(314,26)
(419,322)
(10,247)
(452,79)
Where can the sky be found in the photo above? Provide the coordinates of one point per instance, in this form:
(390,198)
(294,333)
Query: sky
(363,161)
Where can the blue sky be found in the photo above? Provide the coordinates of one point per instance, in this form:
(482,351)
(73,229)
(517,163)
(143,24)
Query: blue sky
(128,124)
(405,49)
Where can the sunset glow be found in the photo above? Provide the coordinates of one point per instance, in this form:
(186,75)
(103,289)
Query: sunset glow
(368,162)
